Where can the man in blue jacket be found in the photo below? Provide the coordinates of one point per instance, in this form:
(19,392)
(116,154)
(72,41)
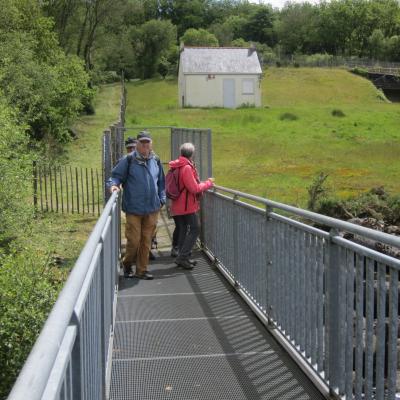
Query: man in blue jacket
(142,178)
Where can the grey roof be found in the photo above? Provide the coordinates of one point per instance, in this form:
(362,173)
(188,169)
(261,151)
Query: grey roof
(219,60)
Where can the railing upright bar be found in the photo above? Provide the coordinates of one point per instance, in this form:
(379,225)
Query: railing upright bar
(369,327)
(358,384)
(380,331)
(349,323)
(332,327)
(393,324)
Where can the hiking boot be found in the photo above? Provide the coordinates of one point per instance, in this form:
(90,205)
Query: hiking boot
(146,276)
(193,262)
(174,252)
(184,264)
(128,273)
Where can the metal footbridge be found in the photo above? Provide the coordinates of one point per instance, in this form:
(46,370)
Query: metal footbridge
(275,309)
(284,304)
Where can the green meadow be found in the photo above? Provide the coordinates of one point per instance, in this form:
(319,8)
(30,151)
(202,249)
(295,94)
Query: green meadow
(312,120)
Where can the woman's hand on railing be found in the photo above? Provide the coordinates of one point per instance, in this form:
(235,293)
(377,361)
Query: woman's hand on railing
(114,188)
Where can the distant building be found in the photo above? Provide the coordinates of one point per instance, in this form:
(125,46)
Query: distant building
(219,77)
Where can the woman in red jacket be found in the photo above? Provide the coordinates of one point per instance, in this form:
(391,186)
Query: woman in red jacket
(185,207)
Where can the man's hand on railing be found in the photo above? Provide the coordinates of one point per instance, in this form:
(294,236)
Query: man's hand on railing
(114,188)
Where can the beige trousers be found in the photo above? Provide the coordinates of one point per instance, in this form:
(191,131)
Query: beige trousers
(139,230)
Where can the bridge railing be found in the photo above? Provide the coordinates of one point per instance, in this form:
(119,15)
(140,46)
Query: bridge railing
(71,357)
(330,301)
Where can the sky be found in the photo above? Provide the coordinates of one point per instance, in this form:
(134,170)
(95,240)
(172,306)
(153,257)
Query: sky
(281,3)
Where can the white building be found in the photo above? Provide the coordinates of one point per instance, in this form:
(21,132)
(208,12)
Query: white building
(219,77)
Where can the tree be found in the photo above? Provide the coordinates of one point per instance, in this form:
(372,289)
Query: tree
(199,37)
(377,45)
(46,88)
(184,14)
(223,33)
(259,27)
(163,67)
(393,48)
(297,28)
(150,42)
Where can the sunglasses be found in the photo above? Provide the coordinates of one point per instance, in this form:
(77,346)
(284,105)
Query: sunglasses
(145,141)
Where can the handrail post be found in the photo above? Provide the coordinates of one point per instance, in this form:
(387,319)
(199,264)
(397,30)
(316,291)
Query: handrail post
(268,264)
(76,360)
(333,368)
(235,241)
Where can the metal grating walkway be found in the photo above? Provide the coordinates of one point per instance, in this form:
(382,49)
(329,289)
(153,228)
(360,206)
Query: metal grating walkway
(187,335)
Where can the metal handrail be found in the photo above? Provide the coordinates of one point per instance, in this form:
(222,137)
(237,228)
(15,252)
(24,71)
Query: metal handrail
(332,303)
(33,378)
(320,219)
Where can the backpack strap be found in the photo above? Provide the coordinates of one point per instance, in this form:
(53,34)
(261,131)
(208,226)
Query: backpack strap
(129,159)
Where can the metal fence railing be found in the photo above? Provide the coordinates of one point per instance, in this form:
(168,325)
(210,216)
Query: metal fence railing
(71,358)
(331,302)
(167,140)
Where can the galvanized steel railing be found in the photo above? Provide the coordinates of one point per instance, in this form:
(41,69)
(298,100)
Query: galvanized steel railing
(331,302)
(71,357)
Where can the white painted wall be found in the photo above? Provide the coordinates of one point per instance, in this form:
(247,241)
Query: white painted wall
(201,91)
(181,86)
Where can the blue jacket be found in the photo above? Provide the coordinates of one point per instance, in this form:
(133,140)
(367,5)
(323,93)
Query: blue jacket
(143,184)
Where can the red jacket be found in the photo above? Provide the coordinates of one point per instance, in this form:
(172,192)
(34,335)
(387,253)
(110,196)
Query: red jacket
(187,202)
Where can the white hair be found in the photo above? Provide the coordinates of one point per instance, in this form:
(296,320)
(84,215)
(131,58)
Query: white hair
(187,150)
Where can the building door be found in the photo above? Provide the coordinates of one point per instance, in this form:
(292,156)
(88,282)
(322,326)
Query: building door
(229,93)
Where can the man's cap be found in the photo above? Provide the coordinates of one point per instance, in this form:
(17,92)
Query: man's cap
(130,142)
(144,136)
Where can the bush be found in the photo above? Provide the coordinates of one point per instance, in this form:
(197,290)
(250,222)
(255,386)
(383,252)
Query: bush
(29,288)
(332,207)
(318,60)
(394,206)
(338,113)
(247,105)
(288,117)
(360,71)
(16,173)
(316,190)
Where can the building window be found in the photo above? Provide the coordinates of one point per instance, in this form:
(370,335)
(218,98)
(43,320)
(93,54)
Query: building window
(248,86)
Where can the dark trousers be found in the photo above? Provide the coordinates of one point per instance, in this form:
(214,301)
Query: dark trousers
(189,230)
(175,235)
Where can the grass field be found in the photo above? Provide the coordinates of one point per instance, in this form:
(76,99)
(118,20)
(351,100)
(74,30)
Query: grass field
(277,150)
(86,150)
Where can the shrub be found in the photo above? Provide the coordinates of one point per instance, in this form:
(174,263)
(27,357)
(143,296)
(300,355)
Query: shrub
(394,206)
(360,71)
(247,105)
(288,117)
(338,113)
(318,59)
(332,207)
(316,190)
(28,292)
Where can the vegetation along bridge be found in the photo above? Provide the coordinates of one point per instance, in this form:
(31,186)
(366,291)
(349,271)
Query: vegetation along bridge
(280,306)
